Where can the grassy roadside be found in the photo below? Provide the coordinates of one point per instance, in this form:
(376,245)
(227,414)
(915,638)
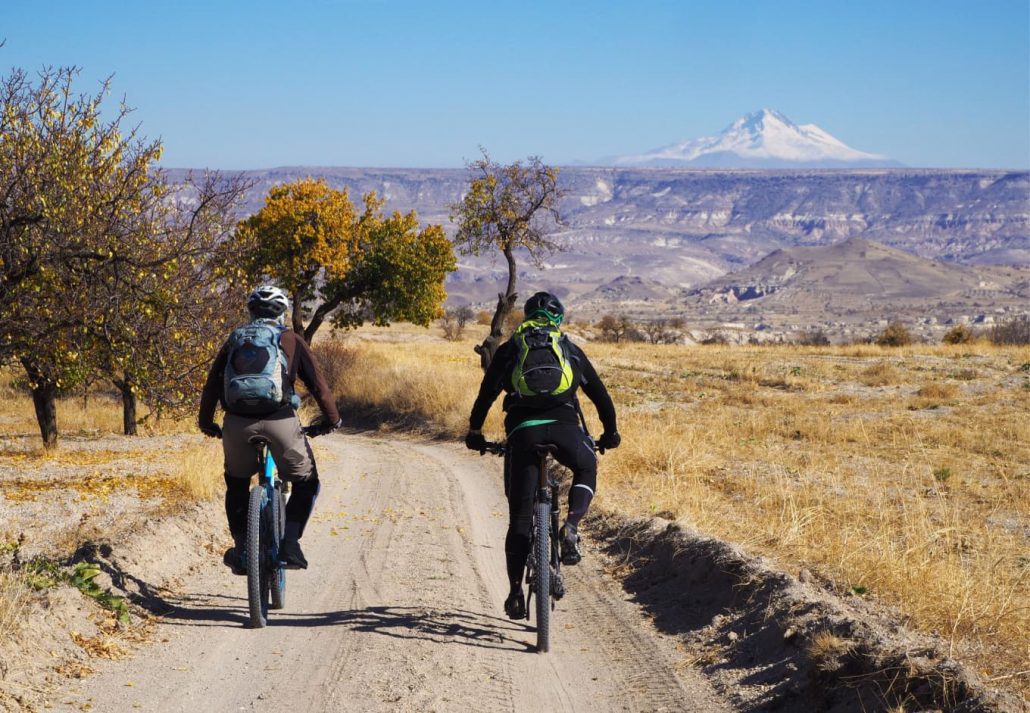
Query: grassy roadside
(901,475)
(93,487)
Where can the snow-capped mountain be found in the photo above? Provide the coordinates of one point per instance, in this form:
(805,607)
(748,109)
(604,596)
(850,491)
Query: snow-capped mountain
(762,139)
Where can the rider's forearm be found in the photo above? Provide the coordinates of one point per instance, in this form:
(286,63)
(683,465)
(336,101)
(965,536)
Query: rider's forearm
(309,372)
(490,388)
(212,389)
(480,409)
(595,390)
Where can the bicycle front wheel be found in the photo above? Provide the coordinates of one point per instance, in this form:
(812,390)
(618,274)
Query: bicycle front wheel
(277,576)
(257,558)
(541,555)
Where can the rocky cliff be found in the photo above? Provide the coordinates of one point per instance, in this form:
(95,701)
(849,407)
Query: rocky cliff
(683,228)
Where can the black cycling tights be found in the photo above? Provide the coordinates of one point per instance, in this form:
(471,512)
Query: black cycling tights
(298,508)
(574,452)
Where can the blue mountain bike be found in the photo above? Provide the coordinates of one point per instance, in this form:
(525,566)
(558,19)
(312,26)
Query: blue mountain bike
(266,525)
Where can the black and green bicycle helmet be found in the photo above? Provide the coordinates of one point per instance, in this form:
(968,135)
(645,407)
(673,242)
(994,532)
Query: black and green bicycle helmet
(544,304)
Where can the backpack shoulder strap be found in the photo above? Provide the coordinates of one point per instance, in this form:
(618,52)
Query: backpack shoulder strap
(291,367)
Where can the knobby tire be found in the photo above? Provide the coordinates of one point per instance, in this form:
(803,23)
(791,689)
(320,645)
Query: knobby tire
(257,559)
(277,576)
(542,561)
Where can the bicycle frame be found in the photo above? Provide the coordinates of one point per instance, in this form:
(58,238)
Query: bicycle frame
(269,479)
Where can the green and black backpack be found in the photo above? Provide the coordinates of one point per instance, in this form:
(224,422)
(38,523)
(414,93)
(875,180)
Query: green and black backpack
(542,367)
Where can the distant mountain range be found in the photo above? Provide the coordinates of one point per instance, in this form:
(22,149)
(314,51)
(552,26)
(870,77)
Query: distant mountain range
(652,234)
(761,139)
(857,282)
(858,269)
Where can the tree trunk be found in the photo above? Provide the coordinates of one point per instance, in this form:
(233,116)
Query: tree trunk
(298,314)
(129,402)
(44,400)
(505,304)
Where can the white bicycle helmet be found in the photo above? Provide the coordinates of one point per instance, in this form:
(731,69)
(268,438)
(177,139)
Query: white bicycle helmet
(267,301)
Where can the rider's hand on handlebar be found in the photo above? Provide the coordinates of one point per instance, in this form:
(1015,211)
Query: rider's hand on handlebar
(212,430)
(475,441)
(608,440)
(321,429)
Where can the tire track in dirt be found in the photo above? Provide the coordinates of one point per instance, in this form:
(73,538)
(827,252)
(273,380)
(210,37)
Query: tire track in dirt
(401,610)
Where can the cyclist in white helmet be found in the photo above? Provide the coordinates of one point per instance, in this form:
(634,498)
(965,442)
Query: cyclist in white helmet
(253,378)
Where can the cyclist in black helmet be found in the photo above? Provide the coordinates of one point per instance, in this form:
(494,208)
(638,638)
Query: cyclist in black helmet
(541,371)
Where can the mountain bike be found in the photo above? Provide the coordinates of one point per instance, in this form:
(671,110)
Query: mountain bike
(266,525)
(543,567)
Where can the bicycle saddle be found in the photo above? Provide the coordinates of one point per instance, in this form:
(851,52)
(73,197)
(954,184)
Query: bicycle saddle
(258,441)
(545,449)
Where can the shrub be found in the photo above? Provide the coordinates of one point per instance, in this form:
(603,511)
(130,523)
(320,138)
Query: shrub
(451,328)
(814,338)
(937,390)
(895,334)
(715,338)
(959,334)
(454,320)
(613,328)
(1015,331)
(336,359)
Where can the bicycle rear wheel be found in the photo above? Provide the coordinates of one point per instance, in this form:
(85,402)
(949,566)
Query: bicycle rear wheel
(278,574)
(257,557)
(541,555)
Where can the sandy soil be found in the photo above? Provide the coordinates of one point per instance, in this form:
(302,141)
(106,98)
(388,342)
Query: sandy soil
(400,610)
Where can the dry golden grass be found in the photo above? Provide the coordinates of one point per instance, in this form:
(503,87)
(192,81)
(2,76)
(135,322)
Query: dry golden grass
(424,385)
(826,650)
(196,471)
(938,390)
(88,414)
(901,473)
(13,598)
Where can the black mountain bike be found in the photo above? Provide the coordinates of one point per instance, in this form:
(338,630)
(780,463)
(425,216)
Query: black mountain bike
(543,567)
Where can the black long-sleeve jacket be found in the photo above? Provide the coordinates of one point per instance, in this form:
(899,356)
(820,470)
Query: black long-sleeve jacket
(518,410)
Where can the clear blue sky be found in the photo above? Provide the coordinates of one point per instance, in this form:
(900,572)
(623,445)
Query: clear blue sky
(251,84)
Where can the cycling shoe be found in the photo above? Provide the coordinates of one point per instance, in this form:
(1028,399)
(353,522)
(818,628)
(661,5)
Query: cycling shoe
(291,555)
(234,559)
(568,539)
(515,606)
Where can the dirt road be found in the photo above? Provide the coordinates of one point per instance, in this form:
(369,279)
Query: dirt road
(400,610)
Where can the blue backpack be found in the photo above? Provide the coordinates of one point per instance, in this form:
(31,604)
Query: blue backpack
(257,382)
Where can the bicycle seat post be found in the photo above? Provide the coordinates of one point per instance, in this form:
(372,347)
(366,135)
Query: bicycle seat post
(267,464)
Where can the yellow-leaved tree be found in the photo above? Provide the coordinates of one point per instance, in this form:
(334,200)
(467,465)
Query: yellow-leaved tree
(97,258)
(342,266)
(73,183)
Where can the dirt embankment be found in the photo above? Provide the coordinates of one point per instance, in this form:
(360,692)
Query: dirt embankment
(770,641)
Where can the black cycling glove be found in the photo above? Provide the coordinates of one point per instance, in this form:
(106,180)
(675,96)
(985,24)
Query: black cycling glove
(475,442)
(322,429)
(210,429)
(608,440)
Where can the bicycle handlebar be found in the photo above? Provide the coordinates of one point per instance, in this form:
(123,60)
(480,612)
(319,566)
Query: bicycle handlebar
(499,449)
